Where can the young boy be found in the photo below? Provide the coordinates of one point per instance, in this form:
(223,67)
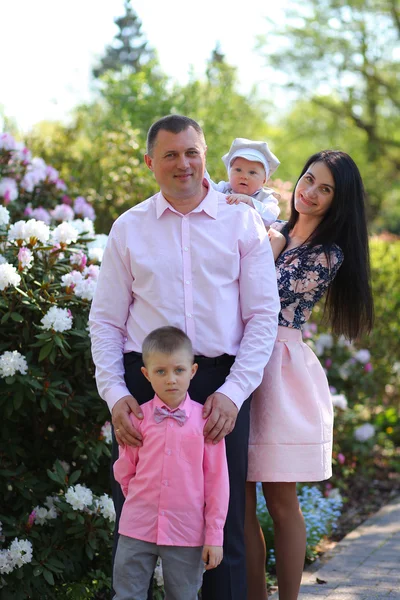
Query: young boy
(250,164)
(176,487)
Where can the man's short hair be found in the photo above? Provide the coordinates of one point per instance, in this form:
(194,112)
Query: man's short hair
(166,340)
(173,124)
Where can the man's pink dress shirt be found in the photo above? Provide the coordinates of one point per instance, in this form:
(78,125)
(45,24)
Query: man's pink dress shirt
(176,486)
(211,273)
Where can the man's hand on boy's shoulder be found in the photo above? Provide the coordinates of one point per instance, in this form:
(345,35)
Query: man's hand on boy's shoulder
(212,556)
(123,428)
(238,198)
(221,413)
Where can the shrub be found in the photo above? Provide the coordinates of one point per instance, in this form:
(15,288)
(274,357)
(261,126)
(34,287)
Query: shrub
(56,518)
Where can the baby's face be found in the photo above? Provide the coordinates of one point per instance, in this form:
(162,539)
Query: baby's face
(246,176)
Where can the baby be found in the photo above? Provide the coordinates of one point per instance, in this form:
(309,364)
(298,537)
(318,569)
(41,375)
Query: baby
(250,164)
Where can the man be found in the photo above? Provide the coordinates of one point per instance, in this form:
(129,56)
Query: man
(184,257)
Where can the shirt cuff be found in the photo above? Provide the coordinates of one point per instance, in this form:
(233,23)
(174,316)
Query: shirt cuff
(234,393)
(214,537)
(114,394)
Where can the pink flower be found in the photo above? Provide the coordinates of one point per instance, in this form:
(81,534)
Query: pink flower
(328,363)
(368,367)
(66,200)
(31,518)
(341,458)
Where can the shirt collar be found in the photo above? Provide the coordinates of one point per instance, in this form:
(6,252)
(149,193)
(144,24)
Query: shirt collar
(184,405)
(209,205)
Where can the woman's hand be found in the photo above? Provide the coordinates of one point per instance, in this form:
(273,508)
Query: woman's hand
(278,242)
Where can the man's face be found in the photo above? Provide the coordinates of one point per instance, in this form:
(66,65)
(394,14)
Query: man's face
(178,163)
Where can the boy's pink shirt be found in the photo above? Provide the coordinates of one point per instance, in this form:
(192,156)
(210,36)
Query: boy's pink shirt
(176,486)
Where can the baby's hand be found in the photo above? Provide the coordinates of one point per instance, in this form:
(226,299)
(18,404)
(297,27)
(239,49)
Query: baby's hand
(278,241)
(212,556)
(237,198)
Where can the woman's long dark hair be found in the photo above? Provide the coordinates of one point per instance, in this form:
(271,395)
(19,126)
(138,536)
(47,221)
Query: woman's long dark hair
(349,303)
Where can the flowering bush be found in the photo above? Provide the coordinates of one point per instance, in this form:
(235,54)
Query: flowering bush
(366,428)
(320,515)
(56,516)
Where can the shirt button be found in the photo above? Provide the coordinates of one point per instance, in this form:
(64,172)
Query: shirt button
(171,424)
(186,248)
(169,452)
(163,512)
(189,315)
(187,282)
(166,483)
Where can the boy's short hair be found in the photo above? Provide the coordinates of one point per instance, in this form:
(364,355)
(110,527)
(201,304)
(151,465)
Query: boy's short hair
(166,340)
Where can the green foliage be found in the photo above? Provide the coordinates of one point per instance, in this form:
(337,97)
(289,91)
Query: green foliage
(340,61)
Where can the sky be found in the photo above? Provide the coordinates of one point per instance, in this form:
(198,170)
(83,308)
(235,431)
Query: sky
(48,47)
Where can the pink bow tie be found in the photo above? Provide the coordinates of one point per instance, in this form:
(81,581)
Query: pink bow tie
(163,413)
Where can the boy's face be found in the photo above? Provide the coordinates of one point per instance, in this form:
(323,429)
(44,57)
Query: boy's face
(170,375)
(246,176)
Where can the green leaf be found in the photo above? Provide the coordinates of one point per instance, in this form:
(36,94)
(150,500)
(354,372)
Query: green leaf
(5,318)
(37,571)
(74,477)
(17,317)
(48,576)
(45,351)
(43,403)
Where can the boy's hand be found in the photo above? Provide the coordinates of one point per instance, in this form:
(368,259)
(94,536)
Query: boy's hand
(278,242)
(237,198)
(212,556)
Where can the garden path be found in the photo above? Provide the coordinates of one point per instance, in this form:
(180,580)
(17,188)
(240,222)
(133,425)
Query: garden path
(364,565)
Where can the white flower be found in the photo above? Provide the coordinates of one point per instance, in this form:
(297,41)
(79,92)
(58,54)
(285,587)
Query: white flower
(100,241)
(6,562)
(81,207)
(106,432)
(29,231)
(58,319)
(51,174)
(339,401)
(323,342)
(21,552)
(11,362)
(84,226)
(51,501)
(7,142)
(79,497)
(4,216)
(62,212)
(25,258)
(85,288)
(344,370)
(22,153)
(65,233)
(96,254)
(71,279)
(363,356)
(364,432)
(158,573)
(41,515)
(8,189)
(38,230)
(8,276)
(3,260)
(17,231)
(106,506)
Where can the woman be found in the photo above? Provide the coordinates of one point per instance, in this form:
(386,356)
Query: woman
(325,248)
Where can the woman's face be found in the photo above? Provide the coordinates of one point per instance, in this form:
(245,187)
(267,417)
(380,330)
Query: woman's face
(314,191)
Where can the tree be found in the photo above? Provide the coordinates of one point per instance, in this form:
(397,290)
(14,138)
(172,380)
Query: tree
(129,51)
(343,56)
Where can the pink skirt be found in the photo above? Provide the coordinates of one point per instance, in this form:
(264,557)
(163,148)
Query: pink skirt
(291,416)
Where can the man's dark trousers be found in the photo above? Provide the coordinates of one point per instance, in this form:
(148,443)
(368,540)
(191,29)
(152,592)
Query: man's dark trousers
(228,580)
